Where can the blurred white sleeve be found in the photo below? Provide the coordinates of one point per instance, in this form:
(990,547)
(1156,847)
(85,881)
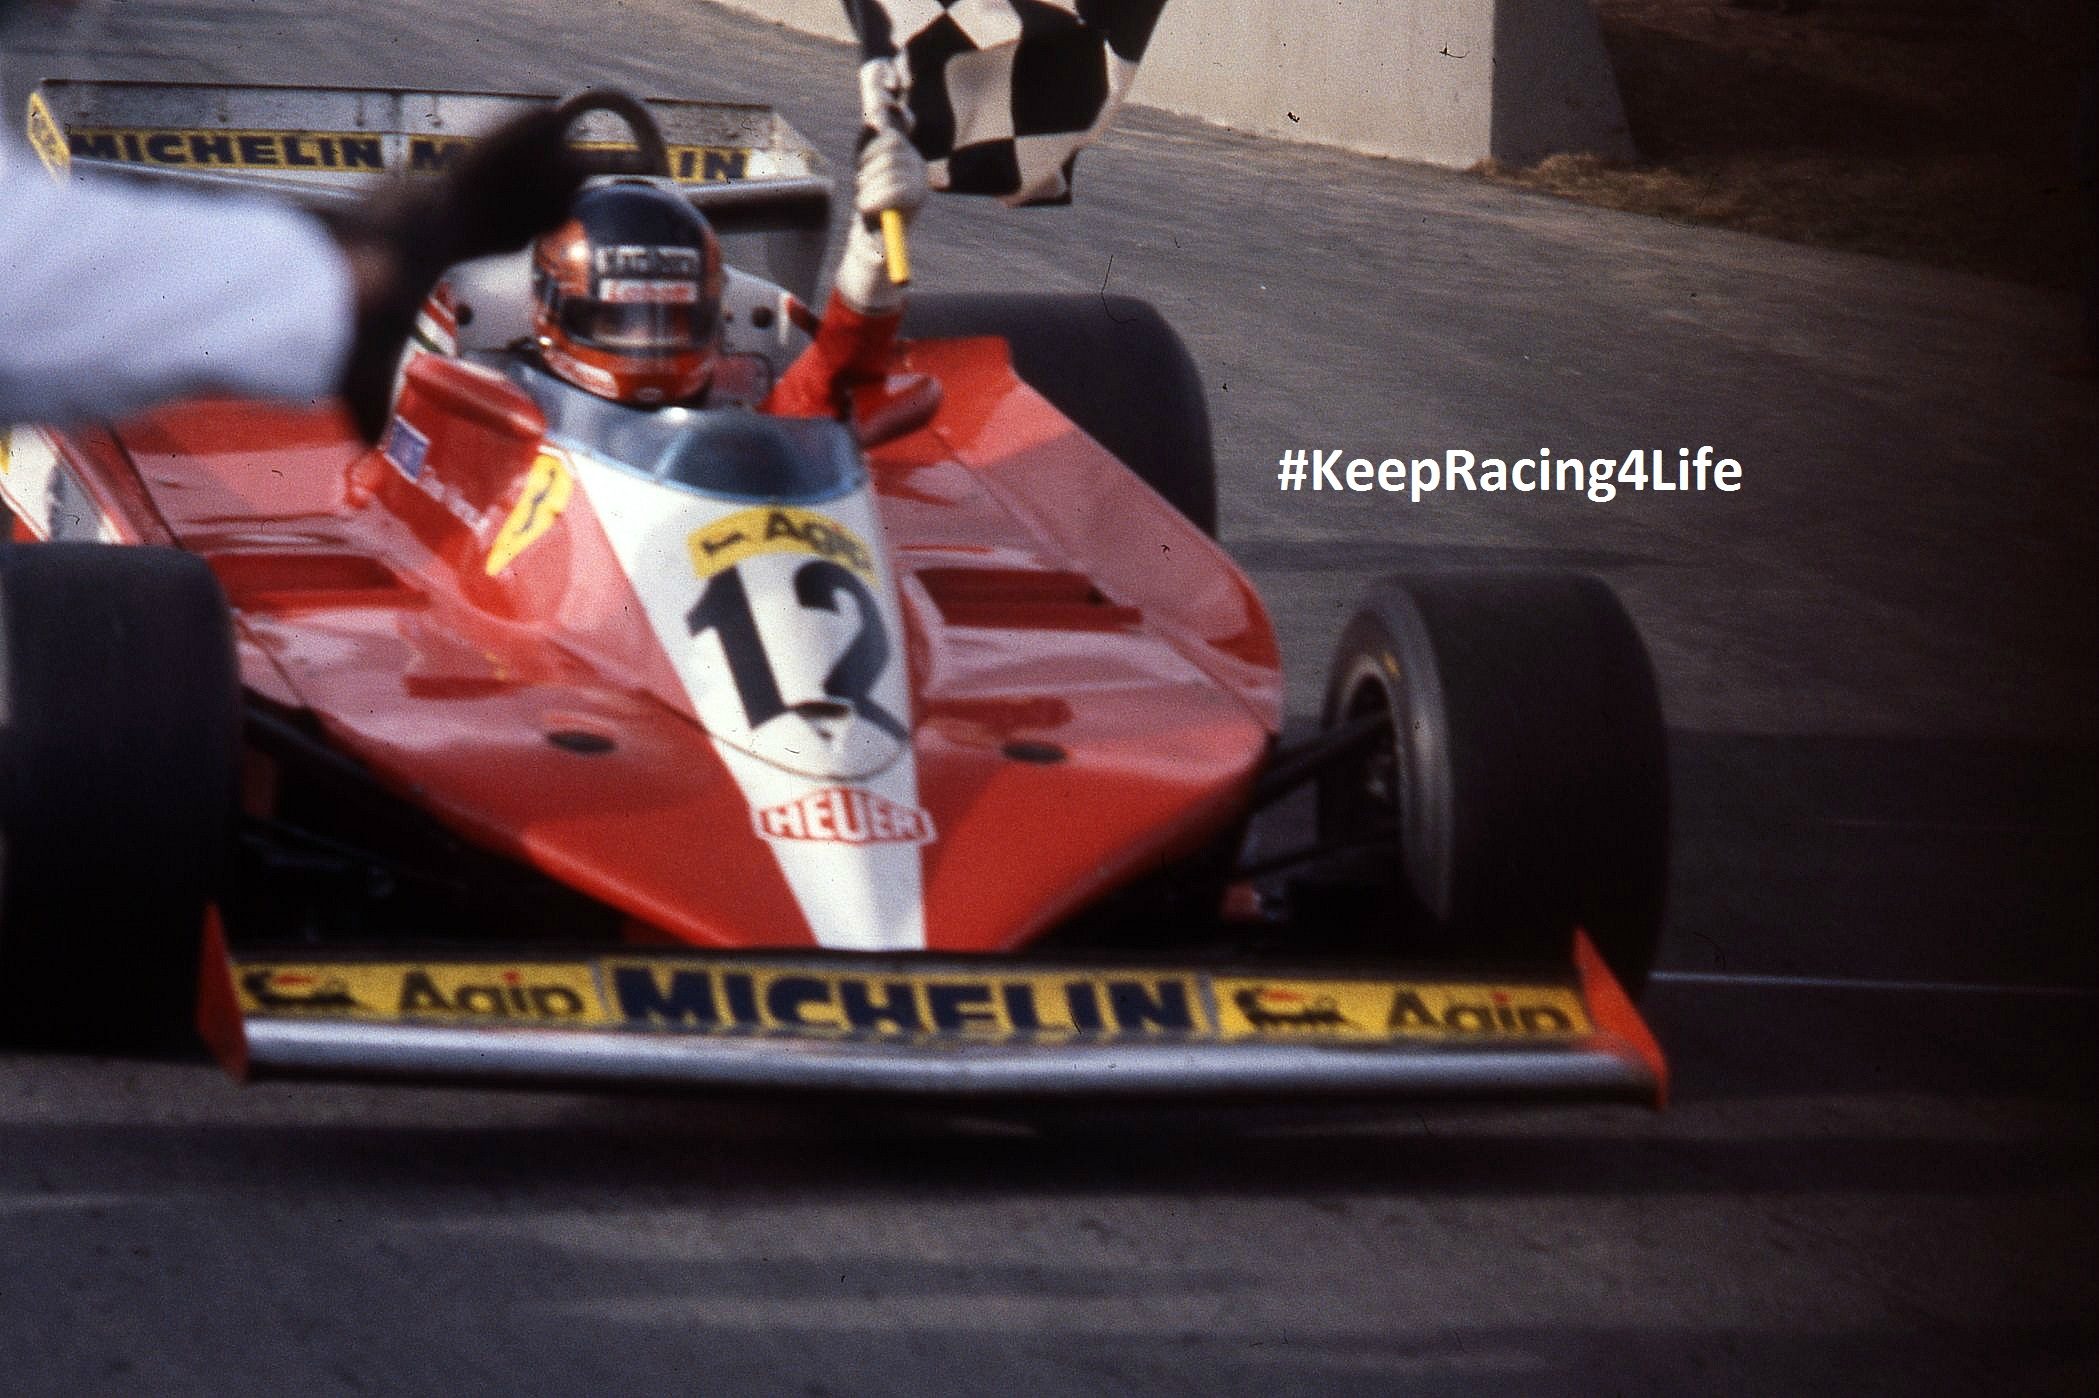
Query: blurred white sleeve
(116,297)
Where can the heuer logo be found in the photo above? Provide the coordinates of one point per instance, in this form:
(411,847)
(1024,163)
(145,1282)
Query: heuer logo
(844,815)
(1278,1007)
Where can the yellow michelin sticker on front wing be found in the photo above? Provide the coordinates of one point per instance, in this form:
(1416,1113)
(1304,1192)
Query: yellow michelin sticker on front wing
(906,1003)
(692,995)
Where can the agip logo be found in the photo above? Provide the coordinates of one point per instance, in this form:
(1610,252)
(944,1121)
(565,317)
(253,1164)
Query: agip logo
(517,993)
(296,991)
(1282,1007)
(778,529)
(1369,1010)
(497,993)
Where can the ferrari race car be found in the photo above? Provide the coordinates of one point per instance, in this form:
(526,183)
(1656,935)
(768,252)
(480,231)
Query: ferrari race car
(562,741)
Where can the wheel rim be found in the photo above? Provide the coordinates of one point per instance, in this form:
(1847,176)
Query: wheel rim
(1360,799)
(1376,778)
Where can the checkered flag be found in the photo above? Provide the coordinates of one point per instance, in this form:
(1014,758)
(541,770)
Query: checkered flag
(1003,94)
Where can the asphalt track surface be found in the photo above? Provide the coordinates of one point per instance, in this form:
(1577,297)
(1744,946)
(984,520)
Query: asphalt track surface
(1878,662)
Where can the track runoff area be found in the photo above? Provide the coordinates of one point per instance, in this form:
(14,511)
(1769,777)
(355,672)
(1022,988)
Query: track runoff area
(1878,1168)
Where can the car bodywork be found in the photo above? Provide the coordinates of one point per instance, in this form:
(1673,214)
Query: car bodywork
(875,755)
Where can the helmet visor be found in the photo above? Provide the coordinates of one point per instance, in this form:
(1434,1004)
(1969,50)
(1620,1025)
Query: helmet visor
(637,316)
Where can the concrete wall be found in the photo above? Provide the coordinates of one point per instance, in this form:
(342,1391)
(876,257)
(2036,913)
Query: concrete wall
(1411,78)
(825,17)
(1449,82)
(1554,87)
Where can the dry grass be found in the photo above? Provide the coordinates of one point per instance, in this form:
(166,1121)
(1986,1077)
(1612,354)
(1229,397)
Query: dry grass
(1937,130)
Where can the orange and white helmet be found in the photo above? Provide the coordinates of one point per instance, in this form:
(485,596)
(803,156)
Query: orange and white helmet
(630,295)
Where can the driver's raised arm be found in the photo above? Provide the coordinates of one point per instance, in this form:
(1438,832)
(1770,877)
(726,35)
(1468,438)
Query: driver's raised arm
(860,321)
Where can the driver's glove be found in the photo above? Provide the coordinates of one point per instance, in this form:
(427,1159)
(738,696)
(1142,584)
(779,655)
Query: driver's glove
(852,345)
(892,175)
(513,185)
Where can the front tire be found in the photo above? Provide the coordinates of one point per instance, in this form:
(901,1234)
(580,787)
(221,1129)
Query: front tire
(119,731)
(1525,771)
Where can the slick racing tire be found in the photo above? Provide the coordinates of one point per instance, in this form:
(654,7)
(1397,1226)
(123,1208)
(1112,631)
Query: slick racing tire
(119,726)
(1524,772)
(1113,366)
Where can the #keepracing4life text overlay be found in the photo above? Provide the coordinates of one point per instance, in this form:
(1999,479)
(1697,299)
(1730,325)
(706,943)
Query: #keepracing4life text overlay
(1597,479)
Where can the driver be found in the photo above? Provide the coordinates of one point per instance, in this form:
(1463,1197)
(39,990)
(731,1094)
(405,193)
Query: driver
(628,293)
(628,296)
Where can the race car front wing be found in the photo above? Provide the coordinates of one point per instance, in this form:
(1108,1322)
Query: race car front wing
(925,1026)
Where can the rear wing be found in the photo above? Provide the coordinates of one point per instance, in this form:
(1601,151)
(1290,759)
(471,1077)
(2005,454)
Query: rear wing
(753,174)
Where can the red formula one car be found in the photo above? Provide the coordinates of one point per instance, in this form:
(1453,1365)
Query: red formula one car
(558,740)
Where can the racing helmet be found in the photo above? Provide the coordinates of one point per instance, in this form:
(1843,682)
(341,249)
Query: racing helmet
(629,295)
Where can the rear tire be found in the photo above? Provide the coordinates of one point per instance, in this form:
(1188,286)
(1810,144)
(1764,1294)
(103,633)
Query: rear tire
(1528,784)
(1113,366)
(119,732)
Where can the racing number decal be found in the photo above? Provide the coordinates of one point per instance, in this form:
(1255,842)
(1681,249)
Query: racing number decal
(816,587)
(724,607)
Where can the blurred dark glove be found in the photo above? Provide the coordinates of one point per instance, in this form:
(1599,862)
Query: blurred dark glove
(512,185)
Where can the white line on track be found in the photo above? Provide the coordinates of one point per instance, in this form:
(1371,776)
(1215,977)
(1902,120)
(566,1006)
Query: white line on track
(2050,992)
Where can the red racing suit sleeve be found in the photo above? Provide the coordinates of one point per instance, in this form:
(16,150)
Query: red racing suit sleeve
(850,347)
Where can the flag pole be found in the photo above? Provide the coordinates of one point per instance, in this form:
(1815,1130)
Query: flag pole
(894,250)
